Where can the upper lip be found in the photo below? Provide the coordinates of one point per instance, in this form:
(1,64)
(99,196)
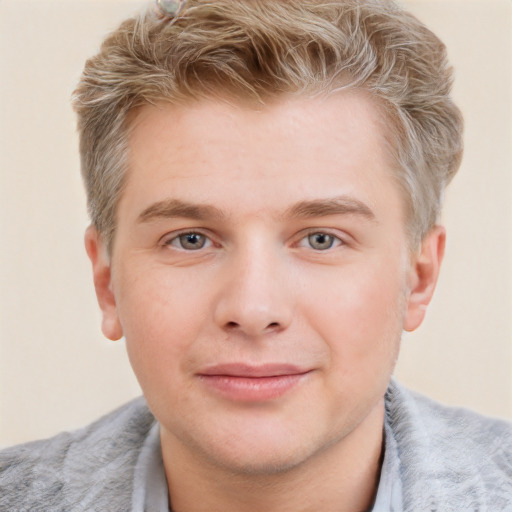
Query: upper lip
(249,370)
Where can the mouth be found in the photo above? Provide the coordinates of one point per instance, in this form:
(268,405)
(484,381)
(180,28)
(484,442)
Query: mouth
(247,383)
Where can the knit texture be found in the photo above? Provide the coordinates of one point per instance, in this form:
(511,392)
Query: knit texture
(450,460)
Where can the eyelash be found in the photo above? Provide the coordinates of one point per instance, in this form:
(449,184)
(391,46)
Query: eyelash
(336,241)
(178,237)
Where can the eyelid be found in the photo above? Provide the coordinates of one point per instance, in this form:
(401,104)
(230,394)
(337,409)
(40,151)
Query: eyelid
(168,238)
(342,237)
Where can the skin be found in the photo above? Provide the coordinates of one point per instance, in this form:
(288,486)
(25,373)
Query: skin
(300,260)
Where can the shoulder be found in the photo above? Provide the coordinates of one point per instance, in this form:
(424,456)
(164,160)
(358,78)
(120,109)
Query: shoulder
(71,468)
(451,455)
(451,425)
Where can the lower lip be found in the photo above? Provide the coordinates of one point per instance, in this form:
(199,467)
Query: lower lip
(252,389)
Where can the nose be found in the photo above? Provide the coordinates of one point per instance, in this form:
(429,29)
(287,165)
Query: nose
(254,297)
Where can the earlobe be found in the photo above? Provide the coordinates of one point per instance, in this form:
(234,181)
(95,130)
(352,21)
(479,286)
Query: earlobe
(101,269)
(424,272)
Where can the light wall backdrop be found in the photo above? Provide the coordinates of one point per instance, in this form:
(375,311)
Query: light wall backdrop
(57,371)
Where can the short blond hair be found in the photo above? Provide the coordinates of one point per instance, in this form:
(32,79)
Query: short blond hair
(256,50)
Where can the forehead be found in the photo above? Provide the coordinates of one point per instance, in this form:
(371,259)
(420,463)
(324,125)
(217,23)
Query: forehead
(352,110)
(205,151)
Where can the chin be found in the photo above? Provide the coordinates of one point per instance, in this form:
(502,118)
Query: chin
(261,464)
(263,452)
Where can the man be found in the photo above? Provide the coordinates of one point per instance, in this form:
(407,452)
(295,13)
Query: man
(264,181)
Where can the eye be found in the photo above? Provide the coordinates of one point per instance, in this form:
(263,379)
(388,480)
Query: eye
(322,241)
(189,241)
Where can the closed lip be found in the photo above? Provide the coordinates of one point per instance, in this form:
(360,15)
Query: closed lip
(241,382)
(252,371)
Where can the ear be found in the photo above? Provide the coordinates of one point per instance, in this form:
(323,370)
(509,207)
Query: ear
(424,271)
(102,276)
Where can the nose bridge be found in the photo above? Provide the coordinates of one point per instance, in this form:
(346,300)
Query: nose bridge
(255,297)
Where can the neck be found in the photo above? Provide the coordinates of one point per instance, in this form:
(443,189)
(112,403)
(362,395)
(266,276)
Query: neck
(343,477)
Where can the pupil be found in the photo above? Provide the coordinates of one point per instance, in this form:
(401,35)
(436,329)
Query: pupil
(321,241)
(192,241)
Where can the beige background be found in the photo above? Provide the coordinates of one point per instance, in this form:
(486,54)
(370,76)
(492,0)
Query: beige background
(58,372)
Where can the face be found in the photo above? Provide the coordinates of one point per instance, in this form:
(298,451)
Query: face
(261,276)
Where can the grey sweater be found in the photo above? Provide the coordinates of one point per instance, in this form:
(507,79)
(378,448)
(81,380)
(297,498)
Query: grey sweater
(449,460)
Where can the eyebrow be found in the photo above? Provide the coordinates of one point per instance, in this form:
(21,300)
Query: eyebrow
(341,205)
(176,208)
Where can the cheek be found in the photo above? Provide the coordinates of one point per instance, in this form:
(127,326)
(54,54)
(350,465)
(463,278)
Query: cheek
(360,323)
(361,316)
(162,313)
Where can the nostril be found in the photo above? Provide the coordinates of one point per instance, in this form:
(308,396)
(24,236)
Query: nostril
(270,327)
